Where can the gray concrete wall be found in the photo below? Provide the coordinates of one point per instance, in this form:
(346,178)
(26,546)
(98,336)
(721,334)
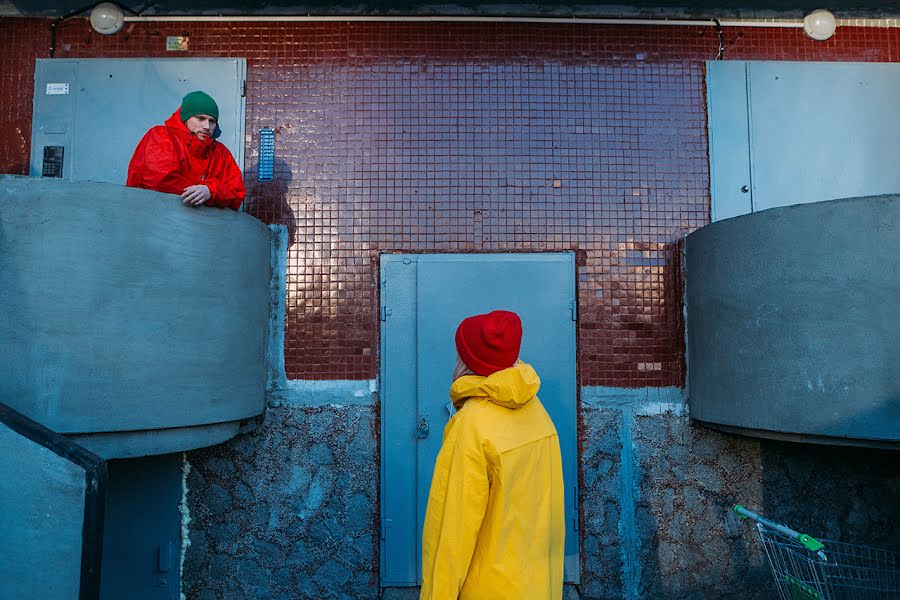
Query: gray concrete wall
(657,487)
(139,313)
(792,321)
(41,520)
(287,511)
(291,511)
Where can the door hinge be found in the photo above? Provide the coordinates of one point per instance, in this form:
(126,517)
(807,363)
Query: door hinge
(244,89)
(164,557)
(573,307)
(576,517)
(385,313)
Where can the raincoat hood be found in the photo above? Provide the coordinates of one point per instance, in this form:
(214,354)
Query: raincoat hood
(495,524)
(170,159)
(511,388)
(195,145)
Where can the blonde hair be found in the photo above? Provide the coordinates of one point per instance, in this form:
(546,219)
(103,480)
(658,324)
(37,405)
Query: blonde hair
(461,369)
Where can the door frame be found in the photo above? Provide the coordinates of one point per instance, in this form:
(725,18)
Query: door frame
(385,312)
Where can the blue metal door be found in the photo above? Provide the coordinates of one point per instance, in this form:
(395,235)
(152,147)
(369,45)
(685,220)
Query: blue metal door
(424,297)
(783,133)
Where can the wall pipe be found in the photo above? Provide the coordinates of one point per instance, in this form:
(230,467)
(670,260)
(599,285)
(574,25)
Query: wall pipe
(772,23)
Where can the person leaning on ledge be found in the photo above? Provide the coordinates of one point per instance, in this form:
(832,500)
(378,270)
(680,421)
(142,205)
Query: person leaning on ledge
(183,157)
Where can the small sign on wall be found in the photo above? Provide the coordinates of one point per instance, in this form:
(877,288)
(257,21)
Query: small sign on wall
(57,89)
(177,43)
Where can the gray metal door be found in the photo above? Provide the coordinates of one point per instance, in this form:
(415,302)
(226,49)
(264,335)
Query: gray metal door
(424,297)
(783,133)
(91,113)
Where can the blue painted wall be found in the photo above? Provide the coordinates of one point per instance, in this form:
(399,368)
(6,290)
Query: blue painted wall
(42,499)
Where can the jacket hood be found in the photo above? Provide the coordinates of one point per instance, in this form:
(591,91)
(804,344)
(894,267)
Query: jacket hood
(195,144)
(511,388)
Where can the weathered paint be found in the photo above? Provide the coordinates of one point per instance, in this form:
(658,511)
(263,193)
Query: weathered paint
(325,393)
(792,319)
(185,510)
(631,573)
(275,377)
(629,402)
(138,314)
(643,400)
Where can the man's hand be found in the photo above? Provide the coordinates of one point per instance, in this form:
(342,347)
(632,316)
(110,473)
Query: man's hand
(195,195)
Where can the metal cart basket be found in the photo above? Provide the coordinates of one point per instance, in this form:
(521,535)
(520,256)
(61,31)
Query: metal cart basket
(809,569)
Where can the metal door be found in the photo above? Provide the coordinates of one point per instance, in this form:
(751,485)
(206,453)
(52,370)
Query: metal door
(424,297)
(97,110)
(783,133)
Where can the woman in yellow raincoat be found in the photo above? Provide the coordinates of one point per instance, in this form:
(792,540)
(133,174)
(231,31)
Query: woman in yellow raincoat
(494,526)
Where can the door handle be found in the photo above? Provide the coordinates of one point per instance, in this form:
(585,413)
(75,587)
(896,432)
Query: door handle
(422,429)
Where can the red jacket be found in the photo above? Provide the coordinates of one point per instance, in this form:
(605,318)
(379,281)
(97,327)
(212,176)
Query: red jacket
(170,158)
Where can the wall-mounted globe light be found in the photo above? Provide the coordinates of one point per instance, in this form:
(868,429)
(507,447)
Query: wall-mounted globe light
(819,24)
(107,18)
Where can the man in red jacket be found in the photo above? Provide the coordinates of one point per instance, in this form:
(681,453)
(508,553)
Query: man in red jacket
(183,157)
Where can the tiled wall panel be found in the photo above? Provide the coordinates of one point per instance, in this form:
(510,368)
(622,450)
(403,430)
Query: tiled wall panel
(464,138)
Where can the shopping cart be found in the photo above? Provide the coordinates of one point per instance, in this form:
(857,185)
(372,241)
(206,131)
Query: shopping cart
(809,569)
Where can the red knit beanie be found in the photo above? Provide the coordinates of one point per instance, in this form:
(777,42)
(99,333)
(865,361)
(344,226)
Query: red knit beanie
(489,343)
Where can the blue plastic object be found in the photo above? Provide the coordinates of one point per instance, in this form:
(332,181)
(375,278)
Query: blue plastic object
(424,297)
(266,167)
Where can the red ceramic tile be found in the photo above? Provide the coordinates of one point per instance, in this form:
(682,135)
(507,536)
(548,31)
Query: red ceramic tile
(465,138)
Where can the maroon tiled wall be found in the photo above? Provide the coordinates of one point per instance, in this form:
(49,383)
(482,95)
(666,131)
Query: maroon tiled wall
(464,138)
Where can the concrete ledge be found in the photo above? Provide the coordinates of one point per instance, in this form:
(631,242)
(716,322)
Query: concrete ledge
(137,314)
(324,393)
(131,444)
(642,401)
(792,321)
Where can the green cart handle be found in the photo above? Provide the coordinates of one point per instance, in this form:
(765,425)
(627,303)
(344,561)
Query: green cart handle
(808,541)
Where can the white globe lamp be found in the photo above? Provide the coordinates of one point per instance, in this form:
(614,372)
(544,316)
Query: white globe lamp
(819,24)
(107,18)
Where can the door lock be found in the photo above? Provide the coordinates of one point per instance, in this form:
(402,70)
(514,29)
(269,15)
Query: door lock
(422,429)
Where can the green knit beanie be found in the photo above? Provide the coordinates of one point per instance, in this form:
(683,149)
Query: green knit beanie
(198,103)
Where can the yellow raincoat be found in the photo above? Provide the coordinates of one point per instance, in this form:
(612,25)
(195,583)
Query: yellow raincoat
(495,525)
